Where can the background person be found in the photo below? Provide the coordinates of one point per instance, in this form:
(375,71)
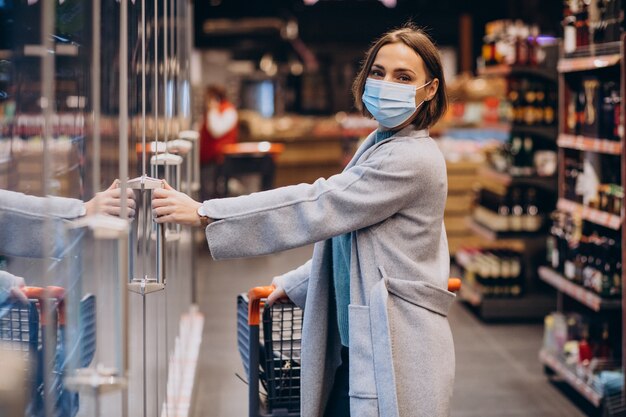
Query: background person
(219,127)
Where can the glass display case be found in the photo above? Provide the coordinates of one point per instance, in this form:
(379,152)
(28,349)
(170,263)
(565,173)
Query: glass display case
(94,302)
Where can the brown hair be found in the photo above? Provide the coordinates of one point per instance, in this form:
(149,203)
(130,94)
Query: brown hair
(415,38)
(216,91)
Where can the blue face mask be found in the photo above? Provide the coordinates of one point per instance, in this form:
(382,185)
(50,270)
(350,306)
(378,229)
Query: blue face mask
(390,103)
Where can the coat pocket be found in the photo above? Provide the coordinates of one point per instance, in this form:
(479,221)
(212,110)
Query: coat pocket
(363,395)
(421,294)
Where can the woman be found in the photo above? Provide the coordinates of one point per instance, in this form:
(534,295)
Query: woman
(219,127)
(374,292)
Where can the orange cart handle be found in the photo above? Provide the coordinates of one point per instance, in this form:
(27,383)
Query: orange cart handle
(59,294)
(256,294)
(34,293)
(254,303)
(41,294)
(454,284)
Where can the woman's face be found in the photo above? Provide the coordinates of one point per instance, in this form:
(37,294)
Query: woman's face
(398,63)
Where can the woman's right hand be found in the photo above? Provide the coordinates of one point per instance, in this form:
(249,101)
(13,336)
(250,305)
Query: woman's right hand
(109,201)
(279,295)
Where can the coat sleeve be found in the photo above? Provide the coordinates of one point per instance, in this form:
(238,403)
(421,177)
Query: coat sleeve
(293,216)
(31,225)
(296,283)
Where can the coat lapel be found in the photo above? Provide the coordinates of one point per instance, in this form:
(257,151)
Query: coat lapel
(368,146)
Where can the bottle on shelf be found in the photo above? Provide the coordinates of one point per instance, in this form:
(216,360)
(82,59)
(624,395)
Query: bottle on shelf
(569,28)
(604,350)
(517,211)
(584,350)
(582,23)
(591,91)
(549,112)
(532,219)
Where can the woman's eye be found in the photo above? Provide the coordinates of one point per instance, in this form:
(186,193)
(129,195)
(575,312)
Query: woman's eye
(376,73)
(404,78)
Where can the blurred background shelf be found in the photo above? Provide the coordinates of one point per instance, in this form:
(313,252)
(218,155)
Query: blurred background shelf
(584,143)
(488,173)
(599,217)
(588,63)
(492,235)
(577,292)
(504,70)
(568,375)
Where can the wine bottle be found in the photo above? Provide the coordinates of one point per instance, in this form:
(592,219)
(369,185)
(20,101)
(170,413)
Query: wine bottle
(517,211)
(569,28)
(532,219)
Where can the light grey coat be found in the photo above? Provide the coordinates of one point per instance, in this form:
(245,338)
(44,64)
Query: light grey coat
(32,226)
(391,197)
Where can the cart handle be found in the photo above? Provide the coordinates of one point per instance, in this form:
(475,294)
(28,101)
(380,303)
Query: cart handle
(254,303)
(58,293)
(256,294)
(41,294)
(454,284)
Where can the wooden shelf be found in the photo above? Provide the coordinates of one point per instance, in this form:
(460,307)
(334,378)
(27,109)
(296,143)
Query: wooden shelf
(599,217)
(485,172)
(588,63)
(575,291)
(584,143)
(569,375)
(492,235)
(506,70)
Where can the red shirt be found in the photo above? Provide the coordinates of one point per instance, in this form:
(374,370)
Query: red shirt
(211,146)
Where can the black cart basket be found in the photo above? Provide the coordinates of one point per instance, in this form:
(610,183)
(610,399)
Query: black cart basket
(271,354)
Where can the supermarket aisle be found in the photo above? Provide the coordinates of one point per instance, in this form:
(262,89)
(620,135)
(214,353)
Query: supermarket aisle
(498,374)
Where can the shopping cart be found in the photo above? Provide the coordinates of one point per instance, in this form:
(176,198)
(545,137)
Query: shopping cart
(278,345)
(24,328)
(271,355)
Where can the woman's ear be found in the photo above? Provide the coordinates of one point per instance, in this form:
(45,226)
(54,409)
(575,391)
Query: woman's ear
(432,89)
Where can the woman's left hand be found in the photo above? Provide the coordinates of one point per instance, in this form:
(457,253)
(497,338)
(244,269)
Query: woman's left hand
(171,206)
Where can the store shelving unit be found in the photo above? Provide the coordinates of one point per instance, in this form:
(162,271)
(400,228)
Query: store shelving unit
(534,303)
(577,67)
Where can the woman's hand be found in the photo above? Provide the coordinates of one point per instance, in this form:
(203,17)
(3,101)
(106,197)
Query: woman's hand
(109,201)
(171,206)
(279,295)
(11,285)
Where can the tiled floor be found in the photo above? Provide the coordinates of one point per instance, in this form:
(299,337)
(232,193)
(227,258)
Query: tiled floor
(497,373)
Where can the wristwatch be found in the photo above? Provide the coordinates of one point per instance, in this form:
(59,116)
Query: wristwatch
(204,220)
